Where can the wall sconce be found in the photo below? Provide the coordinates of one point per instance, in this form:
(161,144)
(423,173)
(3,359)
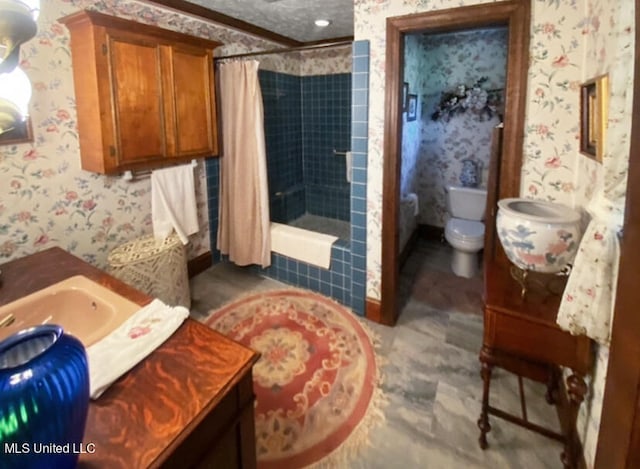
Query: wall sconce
(17,26)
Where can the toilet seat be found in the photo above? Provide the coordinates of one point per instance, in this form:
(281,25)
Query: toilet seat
(466,235)
(465,230)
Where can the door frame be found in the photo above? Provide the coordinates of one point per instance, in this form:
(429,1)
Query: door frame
(619,436)
(515,15)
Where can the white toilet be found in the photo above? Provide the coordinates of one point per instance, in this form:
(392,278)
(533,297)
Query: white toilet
(464,230)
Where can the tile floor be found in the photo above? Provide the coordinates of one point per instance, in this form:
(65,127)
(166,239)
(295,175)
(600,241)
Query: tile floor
(431,376)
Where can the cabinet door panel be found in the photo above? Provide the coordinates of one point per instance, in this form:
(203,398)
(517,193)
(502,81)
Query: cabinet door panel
(137,96)
(193,102)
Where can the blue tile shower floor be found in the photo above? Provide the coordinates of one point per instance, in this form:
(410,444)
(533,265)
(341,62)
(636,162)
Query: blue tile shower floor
(330,226)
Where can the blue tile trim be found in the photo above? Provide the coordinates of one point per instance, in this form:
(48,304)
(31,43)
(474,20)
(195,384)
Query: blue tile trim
(212,171)
(360,48)
(334,282)
(361,63)
(359,145)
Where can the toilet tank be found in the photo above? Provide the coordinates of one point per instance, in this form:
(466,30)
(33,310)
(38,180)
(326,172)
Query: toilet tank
(466,202)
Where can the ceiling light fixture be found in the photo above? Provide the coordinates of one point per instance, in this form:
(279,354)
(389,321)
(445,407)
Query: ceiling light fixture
(322,23)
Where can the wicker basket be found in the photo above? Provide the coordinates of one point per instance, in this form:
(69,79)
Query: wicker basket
(157,268)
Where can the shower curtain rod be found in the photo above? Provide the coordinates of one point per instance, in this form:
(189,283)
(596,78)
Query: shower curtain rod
(286,49)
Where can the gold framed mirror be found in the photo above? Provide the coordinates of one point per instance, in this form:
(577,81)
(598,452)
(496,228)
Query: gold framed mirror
(594,105)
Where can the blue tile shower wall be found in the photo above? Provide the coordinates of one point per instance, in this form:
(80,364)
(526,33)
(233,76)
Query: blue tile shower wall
(283,137)
(326,125)
(306,118)
(288,205)
(345,281)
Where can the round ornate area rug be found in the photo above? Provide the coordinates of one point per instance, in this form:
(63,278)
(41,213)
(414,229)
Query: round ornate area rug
(316,382)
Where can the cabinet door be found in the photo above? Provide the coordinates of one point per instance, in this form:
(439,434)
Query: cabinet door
(138,109)
(193,102)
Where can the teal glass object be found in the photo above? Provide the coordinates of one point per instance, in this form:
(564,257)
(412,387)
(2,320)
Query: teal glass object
(44,398)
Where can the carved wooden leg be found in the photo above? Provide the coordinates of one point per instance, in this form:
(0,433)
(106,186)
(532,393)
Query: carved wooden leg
(576,388)
(483,421)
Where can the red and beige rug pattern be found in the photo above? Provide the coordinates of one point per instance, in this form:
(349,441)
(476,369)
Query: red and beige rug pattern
(317,380)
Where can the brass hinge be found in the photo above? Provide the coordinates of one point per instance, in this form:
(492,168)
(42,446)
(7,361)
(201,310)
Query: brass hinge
(104,49)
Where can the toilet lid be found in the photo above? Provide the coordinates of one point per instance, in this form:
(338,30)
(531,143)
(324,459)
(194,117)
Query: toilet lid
(466,228)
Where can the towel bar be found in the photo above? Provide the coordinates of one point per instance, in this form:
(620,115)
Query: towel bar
(336,152)
(131,175)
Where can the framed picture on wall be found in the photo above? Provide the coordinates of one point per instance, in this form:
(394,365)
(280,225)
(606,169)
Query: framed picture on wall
(405,94)
(412,107)
(594,102)
(21,132)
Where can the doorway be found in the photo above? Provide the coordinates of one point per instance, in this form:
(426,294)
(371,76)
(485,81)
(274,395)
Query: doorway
(457,81)
(515,16)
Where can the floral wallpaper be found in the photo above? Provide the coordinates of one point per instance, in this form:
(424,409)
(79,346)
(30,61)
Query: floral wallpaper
(46,199)
(329,61)
(570,42)
(409,178)
(437,64)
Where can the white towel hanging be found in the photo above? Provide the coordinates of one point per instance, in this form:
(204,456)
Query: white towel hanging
(173,202)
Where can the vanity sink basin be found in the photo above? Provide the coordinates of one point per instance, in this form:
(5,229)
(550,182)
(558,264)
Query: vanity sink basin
(83,308)
(538,235)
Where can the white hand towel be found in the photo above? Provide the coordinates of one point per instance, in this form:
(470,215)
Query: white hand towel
(137,337)
(173,202)
(348,157)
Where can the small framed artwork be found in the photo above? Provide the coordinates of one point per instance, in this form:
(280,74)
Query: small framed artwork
(20,132)
(412,107)
(594,102)
(405,94)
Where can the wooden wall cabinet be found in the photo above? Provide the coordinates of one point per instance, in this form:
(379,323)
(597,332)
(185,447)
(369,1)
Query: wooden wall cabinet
(145,96)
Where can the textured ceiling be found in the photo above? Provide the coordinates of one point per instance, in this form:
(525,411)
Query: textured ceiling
(290,18)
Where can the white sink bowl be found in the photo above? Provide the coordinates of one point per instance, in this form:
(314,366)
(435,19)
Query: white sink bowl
(537,235)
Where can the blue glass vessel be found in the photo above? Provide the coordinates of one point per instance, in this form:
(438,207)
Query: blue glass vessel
(44,397)
(469,173)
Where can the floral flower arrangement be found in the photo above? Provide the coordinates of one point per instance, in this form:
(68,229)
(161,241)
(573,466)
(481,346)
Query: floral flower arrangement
(474,98)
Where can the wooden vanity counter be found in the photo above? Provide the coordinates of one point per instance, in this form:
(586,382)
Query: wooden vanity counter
(189,403)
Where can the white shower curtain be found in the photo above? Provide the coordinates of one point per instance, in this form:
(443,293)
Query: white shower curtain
(243,227)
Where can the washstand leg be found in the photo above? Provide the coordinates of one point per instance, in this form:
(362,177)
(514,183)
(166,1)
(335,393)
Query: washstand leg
(577,389)
(483,421)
